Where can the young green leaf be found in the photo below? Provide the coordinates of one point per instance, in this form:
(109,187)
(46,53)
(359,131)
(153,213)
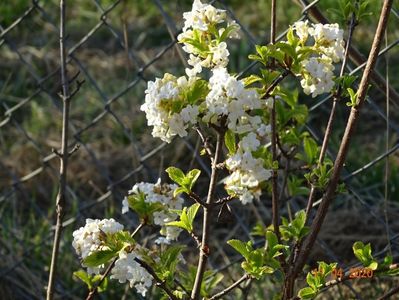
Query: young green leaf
(83,276)
(230,142)
(176,175)
(99,257)
(191,213)
(307,293)
(191,178)
(363,253)
(240,247)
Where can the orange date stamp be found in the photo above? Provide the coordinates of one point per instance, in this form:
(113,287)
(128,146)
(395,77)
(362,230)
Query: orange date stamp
(360,272)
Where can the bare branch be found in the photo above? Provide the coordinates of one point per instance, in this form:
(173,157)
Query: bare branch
(230,288)
(159,283)
(207,216)
(60,201)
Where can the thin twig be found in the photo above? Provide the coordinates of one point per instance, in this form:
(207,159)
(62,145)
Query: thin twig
(389,294)
(160,283)
(230,288)
(336,98)
(349,130)
(94,290)
(276,82)
(327,134)
(60,200)
(197,199)
(347,276)
(386,171)
(204,252)
(205,142)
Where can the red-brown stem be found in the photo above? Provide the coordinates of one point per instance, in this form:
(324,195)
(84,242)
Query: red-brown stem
(205,251)
(349,130)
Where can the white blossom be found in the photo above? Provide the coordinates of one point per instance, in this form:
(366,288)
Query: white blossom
(162,194)
(302,29)
(229,97)
(159,106)
(127,269)
(319,76)
(209,48)
(202,15)
(328,45)
(247,172)
(87,239)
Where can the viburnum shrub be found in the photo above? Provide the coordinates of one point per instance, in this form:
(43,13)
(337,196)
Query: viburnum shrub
(238,120)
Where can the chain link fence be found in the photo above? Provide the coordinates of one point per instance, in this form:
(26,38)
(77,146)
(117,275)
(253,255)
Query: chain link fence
(115,47)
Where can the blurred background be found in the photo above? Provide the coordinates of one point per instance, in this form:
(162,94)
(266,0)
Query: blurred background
(116,47)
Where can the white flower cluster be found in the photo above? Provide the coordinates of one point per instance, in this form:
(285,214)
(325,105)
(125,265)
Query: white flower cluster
(318,70)
(163,194)
(229,97)
(164,107)
(203,37)
(127,269)
(247,171)
(88,239)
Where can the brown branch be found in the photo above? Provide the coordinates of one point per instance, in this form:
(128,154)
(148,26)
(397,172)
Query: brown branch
(204,252)
(230,288)
(350,127)
(197,199)
(336,98)
(389,294)
(275,83)
(205,142)
(158,281)
(224,200)
(346,277)
(60,200)
(275,197)
(94,290)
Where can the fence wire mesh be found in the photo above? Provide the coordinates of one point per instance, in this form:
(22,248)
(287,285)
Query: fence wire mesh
(116,54)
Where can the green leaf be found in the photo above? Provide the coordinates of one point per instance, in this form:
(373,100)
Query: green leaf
(82,275)
(176,175)
(230,141)
(144,209)
(299,221)
(311,150)
(363,253)
(99,257)
(191,213)
(227,31)
(307,293)
(187,217)
(258,230)
(197,91)
(179,191)
(240,247)
(191,178)
(104,284)
(352,96)
(251,79)
(179,224)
